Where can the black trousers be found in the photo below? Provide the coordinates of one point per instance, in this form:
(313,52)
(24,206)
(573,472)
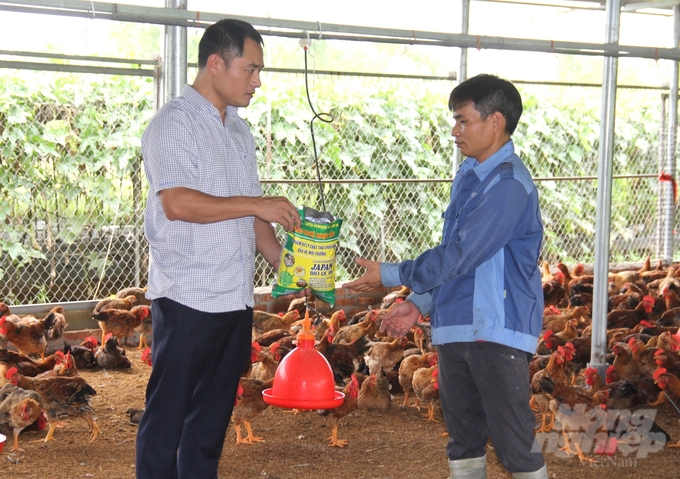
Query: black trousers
(484,392)
(198,359)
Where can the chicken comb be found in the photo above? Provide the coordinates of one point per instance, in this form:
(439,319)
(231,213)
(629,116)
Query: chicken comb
(547,334)
(108,336)
(91,339)
(282,313)
(554,309)
(646,324)
(659,352)
(60,354)
(649,299)
(274,346)
(610,369)
(256,346)
(2,320)
(11,372)
(590,370)
(569,346)
(658,373)
(354,380)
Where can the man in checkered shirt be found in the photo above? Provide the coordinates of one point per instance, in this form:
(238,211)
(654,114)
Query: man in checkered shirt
(205,219)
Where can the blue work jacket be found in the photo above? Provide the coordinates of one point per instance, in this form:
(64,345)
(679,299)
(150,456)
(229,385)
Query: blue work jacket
(482,283)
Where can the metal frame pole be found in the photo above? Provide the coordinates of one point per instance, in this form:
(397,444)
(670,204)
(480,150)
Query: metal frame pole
(604,194)
(462,69)
(667,186)
(175,61)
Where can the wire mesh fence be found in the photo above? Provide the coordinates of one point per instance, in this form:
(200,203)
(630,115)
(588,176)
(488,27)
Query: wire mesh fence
(73,189)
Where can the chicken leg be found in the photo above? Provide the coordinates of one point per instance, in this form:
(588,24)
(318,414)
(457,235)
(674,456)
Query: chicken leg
(334,441)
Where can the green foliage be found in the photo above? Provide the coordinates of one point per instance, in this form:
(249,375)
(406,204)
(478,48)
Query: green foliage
(70,163)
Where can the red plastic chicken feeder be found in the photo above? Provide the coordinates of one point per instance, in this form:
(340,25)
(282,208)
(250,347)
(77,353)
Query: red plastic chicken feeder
(2,441)
(304,379)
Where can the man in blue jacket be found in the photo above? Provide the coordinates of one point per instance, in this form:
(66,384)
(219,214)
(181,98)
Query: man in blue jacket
(481,287)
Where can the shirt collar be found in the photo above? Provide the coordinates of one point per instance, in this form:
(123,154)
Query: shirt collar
(202,103)
(484,168)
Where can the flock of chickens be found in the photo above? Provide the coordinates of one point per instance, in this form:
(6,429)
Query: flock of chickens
(37,390)
(643,356)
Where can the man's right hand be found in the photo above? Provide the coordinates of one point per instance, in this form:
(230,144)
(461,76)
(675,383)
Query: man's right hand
(277,209)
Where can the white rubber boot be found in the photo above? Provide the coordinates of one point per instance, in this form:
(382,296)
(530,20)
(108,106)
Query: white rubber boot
(474,468)
(542,473)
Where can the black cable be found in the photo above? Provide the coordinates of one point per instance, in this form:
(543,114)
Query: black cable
(326,118)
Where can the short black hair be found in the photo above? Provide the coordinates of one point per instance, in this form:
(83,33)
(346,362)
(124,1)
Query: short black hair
(489,94)
(226,38)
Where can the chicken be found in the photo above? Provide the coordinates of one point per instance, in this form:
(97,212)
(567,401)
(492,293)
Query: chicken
(426,388)
(110,356)
(670,390)
(28,336)
(139,293)
(19,408)
(623,277)
(395,297)
(335,415)
(334,321)
(83,353)
(249,403)
(145,330)
(643,356)
(385,355)
(409,366)
(113,302)
(352,332)
(301,304)
(578,411)
(265,366)
(375,392)
(24,364)
(630,318)
(668,283)
(121,322)
(59,325)
(557,321)
(263,321)
(60,395)
(540,401)
(270,337)
(553,292)
(146,356)
(624,364)
(343,358)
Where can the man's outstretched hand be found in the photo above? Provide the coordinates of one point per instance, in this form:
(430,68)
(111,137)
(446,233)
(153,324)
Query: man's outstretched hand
(398,321)
(370,281)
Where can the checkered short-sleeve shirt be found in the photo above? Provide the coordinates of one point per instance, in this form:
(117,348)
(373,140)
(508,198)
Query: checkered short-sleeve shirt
(208,267)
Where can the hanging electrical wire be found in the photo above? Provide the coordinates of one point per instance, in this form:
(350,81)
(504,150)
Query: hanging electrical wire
(324,117)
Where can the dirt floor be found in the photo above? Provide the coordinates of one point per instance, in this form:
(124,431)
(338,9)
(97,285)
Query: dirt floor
(394,444)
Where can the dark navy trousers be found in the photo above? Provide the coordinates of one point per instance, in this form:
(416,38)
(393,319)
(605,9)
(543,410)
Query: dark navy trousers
(198,359)
(484,392)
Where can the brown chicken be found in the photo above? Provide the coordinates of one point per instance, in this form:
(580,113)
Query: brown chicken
(145,330)
(375,392)
(111,356)
(540,401)
(426,388)
(83,353)
(24,364)
(343,358)
(632,317)
(59,325)
(264,321)
(249,403)
(121,322)
(395,297)
(624,364)
(113,302)
(579,411)
(335,321)
(408,367)
(28,335)
(670,391)
(385,355)
(60,395)
(139,293)
(352,332)
(335,415)
(19,408)
(265,366)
